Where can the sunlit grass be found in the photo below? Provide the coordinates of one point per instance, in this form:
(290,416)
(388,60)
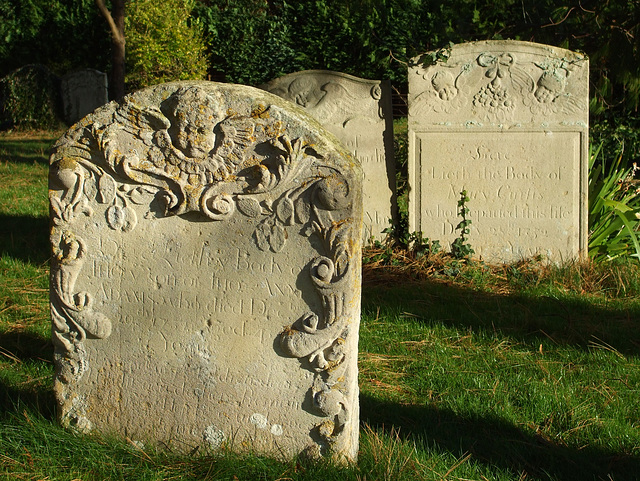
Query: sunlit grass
(467,370)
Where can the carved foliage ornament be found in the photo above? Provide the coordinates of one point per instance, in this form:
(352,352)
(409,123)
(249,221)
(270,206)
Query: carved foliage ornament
(192,153)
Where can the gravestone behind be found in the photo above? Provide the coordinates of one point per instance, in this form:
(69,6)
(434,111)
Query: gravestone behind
(506,121)
(206,273)
(83,92)
(358,112)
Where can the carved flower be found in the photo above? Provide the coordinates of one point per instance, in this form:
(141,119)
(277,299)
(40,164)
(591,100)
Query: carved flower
(121,218)
(217,207)
(322,270)
(269,235)
(333,192)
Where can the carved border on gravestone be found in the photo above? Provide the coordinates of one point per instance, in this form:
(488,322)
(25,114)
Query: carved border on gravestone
(329,101)
(176,171)
(493,81)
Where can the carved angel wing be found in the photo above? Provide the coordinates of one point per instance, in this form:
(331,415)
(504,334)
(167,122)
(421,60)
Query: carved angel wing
(569,104)
(522,80)
(338,105)
(235,136)
(141,121)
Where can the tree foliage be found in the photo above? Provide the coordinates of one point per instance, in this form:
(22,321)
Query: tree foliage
(30,99)
(252,41)
(63,35)
(163,43)
(249,42)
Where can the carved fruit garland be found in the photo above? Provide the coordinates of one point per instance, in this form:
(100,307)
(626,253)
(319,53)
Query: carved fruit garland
(509,82)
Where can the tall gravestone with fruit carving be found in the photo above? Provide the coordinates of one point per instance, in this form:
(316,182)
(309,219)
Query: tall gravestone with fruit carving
(206,273)
(506,121)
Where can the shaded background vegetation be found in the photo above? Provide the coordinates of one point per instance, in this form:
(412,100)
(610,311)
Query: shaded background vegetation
(252,41)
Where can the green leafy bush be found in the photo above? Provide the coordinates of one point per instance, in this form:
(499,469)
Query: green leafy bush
(248,43)
(163,43)
(30,99)
(614,209)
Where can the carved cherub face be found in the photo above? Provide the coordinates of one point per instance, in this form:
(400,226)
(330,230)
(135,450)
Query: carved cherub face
(193,118)
(550,85)
(444,85)
(193,135)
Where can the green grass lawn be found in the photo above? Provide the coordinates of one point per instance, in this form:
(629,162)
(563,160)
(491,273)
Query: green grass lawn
(467,371)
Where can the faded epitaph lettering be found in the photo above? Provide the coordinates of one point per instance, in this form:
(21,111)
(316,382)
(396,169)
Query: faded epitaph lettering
(506,121)
(206,273)
(358,112)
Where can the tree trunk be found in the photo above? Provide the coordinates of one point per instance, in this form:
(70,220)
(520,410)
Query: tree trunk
(116,25)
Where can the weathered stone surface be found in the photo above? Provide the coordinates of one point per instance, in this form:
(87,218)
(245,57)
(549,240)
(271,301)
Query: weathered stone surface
(206,273)
(508,122)
(358,112)
(83,92)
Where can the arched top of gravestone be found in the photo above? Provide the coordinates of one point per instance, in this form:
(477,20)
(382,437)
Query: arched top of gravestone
(85,72)
(358,112)
(202,146)
(500,83)
(331,97)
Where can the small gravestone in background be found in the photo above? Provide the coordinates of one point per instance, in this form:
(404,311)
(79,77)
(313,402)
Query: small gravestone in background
(83,92)
(506,121)
(358,112)
(205,282)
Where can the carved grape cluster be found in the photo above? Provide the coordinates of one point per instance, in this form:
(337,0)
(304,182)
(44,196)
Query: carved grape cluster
(493,98)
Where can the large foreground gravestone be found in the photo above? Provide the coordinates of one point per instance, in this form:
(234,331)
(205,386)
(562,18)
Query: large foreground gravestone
(506,121)
(206,273)
(83,92)
(358,112)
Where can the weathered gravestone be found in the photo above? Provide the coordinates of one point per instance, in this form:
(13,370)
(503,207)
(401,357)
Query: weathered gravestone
(358,112)
(206,273)
(83,92)
(508,122)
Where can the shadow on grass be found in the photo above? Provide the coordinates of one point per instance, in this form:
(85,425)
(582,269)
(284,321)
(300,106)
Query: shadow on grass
(568,320)
(532,320)
(25,238)
(497,443)
(27,150)
(32,395)
(14,400)
(26,346)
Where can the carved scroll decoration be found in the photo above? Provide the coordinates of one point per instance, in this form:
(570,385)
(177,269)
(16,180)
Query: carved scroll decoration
(219,164)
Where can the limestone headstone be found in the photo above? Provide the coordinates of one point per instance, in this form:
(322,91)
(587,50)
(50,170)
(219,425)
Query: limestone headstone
(206,273)
(358,112)
(83,91)
(506,121)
